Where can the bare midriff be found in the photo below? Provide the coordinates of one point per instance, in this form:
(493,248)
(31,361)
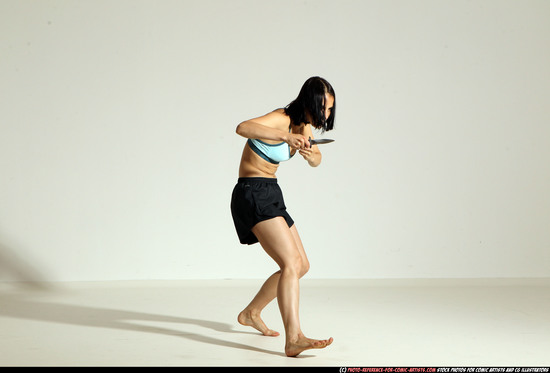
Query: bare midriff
(252,165)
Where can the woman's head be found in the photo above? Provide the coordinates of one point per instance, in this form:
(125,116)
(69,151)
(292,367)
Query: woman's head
(313,105)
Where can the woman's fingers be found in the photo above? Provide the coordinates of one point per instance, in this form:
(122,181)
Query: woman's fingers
(306,153)
(299,142)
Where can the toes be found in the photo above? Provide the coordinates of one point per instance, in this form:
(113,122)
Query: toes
(322,343)
(318,344)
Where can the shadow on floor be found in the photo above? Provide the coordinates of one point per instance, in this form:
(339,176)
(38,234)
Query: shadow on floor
(21,305)
(22,308)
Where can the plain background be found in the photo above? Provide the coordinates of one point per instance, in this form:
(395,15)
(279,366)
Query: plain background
(118,150)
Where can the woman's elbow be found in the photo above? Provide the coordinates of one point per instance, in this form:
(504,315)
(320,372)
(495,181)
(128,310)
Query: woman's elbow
(239,129)
(242,129)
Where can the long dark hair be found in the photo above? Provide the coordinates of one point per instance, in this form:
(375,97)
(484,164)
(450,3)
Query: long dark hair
(311,99)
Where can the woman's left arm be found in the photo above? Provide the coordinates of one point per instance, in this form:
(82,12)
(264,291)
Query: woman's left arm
(312,154)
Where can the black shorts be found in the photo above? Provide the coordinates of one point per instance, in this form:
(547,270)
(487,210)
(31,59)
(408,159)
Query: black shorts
(256,199)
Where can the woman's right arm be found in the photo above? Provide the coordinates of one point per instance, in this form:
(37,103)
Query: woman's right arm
(267,127)
(272,126)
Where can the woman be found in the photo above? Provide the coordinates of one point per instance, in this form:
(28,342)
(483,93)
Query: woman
(258,208)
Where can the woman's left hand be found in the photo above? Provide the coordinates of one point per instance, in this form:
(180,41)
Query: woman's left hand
(311,155)
(307,153)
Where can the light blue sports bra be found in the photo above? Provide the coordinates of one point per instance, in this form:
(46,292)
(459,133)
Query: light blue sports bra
(273,153)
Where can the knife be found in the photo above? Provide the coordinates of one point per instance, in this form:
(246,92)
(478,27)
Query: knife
(319,141)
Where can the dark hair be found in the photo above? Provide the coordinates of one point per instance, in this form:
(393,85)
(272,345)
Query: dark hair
(311,99)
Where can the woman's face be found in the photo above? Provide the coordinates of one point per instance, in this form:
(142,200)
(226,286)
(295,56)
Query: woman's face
(329,104)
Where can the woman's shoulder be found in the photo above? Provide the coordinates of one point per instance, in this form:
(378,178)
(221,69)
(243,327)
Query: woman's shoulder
(278,118)
(274,119)
(281,112)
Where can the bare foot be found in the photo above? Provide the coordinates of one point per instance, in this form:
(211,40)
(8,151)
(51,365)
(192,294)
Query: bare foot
(247,319)
(295,348)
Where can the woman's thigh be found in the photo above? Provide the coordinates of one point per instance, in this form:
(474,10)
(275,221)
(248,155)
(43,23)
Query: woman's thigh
(279,241)
(300,246)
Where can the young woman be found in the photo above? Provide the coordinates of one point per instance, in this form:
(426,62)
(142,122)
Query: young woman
(259,211)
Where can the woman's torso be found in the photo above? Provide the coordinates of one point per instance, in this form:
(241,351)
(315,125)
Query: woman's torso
(253,165)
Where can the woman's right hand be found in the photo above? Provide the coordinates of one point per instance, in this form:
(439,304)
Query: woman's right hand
(297,141)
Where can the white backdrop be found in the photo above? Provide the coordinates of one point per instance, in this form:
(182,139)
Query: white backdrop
(118,150)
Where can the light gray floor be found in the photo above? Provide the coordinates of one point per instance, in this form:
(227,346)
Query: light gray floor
(193,323)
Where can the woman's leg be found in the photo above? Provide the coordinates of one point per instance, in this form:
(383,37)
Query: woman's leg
(279,243)
(250,316)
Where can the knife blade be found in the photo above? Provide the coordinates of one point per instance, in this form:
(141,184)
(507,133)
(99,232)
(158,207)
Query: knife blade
(319,141)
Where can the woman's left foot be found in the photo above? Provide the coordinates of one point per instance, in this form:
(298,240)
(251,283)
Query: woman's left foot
(247,319)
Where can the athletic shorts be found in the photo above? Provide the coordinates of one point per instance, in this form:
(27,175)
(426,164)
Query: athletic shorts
(256,199)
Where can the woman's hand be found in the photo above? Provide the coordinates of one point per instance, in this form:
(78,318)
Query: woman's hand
(301,143)
(311,155)
(307,153)
(296,141)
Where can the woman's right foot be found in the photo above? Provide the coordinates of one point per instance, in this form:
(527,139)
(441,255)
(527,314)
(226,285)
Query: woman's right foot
(248,319)
(294,348)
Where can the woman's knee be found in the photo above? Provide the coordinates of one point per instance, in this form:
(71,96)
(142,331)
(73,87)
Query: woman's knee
(298,266)
(304,267)
(295,266)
